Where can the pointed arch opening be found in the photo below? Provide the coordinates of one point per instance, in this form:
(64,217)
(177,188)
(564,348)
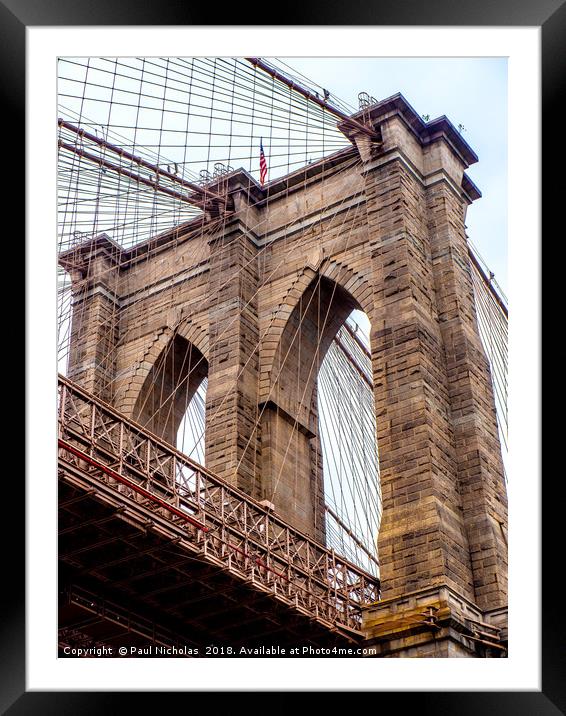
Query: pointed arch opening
(319,442)
(171,401)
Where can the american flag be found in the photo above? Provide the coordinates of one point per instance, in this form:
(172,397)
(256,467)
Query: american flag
(262,164)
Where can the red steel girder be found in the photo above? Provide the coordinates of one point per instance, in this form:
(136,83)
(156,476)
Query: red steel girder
(202,197)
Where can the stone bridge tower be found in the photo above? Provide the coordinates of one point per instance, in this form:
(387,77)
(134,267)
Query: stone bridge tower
(252,298)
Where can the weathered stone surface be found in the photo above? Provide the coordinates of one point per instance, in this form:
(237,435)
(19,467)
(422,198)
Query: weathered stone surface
(434,622)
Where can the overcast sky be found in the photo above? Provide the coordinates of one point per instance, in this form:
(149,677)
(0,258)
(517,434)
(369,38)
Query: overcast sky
(469,91)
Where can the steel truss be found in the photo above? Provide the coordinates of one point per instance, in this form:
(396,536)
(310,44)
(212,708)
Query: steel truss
(216,521)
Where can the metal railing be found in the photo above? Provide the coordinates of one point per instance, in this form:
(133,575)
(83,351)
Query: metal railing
(223,524)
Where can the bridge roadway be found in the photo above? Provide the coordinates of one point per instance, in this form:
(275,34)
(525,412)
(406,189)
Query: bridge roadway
(155,549)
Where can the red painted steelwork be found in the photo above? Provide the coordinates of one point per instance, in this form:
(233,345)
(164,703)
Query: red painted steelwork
(83,456)
(207,196)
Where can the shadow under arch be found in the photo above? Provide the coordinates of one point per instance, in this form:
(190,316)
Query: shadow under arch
(169,386)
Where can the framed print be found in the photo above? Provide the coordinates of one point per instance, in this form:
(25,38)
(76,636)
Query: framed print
(230,275)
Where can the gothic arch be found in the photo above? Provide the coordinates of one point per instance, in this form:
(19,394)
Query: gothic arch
(127,394)
(348,280)
(169,385)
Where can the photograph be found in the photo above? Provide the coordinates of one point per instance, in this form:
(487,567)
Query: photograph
(282,357)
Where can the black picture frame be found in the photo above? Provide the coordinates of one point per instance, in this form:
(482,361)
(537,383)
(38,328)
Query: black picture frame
(15,16)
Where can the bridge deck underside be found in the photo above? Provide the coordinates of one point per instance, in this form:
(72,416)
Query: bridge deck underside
(128,579)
